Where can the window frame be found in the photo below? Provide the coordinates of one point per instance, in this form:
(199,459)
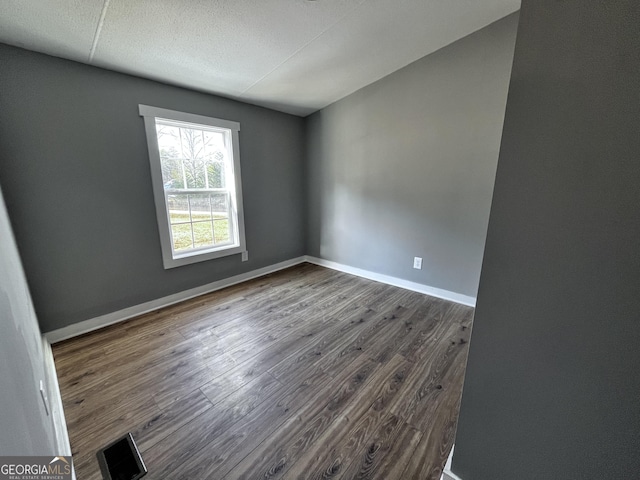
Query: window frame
(150,114)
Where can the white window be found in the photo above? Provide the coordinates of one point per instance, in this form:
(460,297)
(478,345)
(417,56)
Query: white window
(195,170)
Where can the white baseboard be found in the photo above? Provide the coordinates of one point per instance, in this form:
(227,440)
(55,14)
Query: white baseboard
(447,474)
(396,282)
(63,446)
(87,326)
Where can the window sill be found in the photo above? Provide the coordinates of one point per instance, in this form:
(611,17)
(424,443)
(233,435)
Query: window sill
(201,256)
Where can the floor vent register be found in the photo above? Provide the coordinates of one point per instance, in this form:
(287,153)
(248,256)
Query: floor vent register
(121,460)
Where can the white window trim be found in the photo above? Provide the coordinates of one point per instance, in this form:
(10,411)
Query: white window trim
(150,114)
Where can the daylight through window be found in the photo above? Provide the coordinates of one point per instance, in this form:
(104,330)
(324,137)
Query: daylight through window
(196,181)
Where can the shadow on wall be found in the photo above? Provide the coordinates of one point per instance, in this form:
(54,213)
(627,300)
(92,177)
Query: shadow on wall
(405,167)
(25,426)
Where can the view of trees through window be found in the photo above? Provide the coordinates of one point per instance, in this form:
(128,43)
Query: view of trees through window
(195,171)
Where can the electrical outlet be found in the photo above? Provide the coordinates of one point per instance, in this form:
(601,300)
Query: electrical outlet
(45,399)
(245,256)
(417,263)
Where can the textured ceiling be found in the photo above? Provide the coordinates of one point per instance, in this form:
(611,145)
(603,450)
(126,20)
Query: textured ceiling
(296,56)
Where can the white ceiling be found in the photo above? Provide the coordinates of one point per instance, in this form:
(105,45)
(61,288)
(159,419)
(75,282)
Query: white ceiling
(296,56)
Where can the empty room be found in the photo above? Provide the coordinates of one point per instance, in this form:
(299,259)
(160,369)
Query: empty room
(316,239)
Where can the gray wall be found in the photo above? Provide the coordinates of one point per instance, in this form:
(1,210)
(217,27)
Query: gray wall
(405,166)
(552,389)
(75,171)
(25,427)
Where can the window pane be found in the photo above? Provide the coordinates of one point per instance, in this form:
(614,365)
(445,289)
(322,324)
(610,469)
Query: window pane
(213,141)
(194,165)
(172,176)
(193,156)
(215,172)
(200,207)
(171,163)
(178,208)
(221,229)
(213,147)
(182,239)
(220,203)
(203,234)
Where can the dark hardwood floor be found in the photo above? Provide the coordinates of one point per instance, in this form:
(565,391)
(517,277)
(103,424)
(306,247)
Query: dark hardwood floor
(302,374)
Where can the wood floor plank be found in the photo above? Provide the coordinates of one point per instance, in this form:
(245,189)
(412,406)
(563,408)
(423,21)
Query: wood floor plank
(368,341)
(427,332)
(303,373)
(130,355)
(213,316)
(171,419)
(242,438)
(150,374)
(398,327)
(438,382)
(327,344)
(431,453)
(252,360)
(273,457)
(170,453)
(388,453)
(100,430)
(331,451)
